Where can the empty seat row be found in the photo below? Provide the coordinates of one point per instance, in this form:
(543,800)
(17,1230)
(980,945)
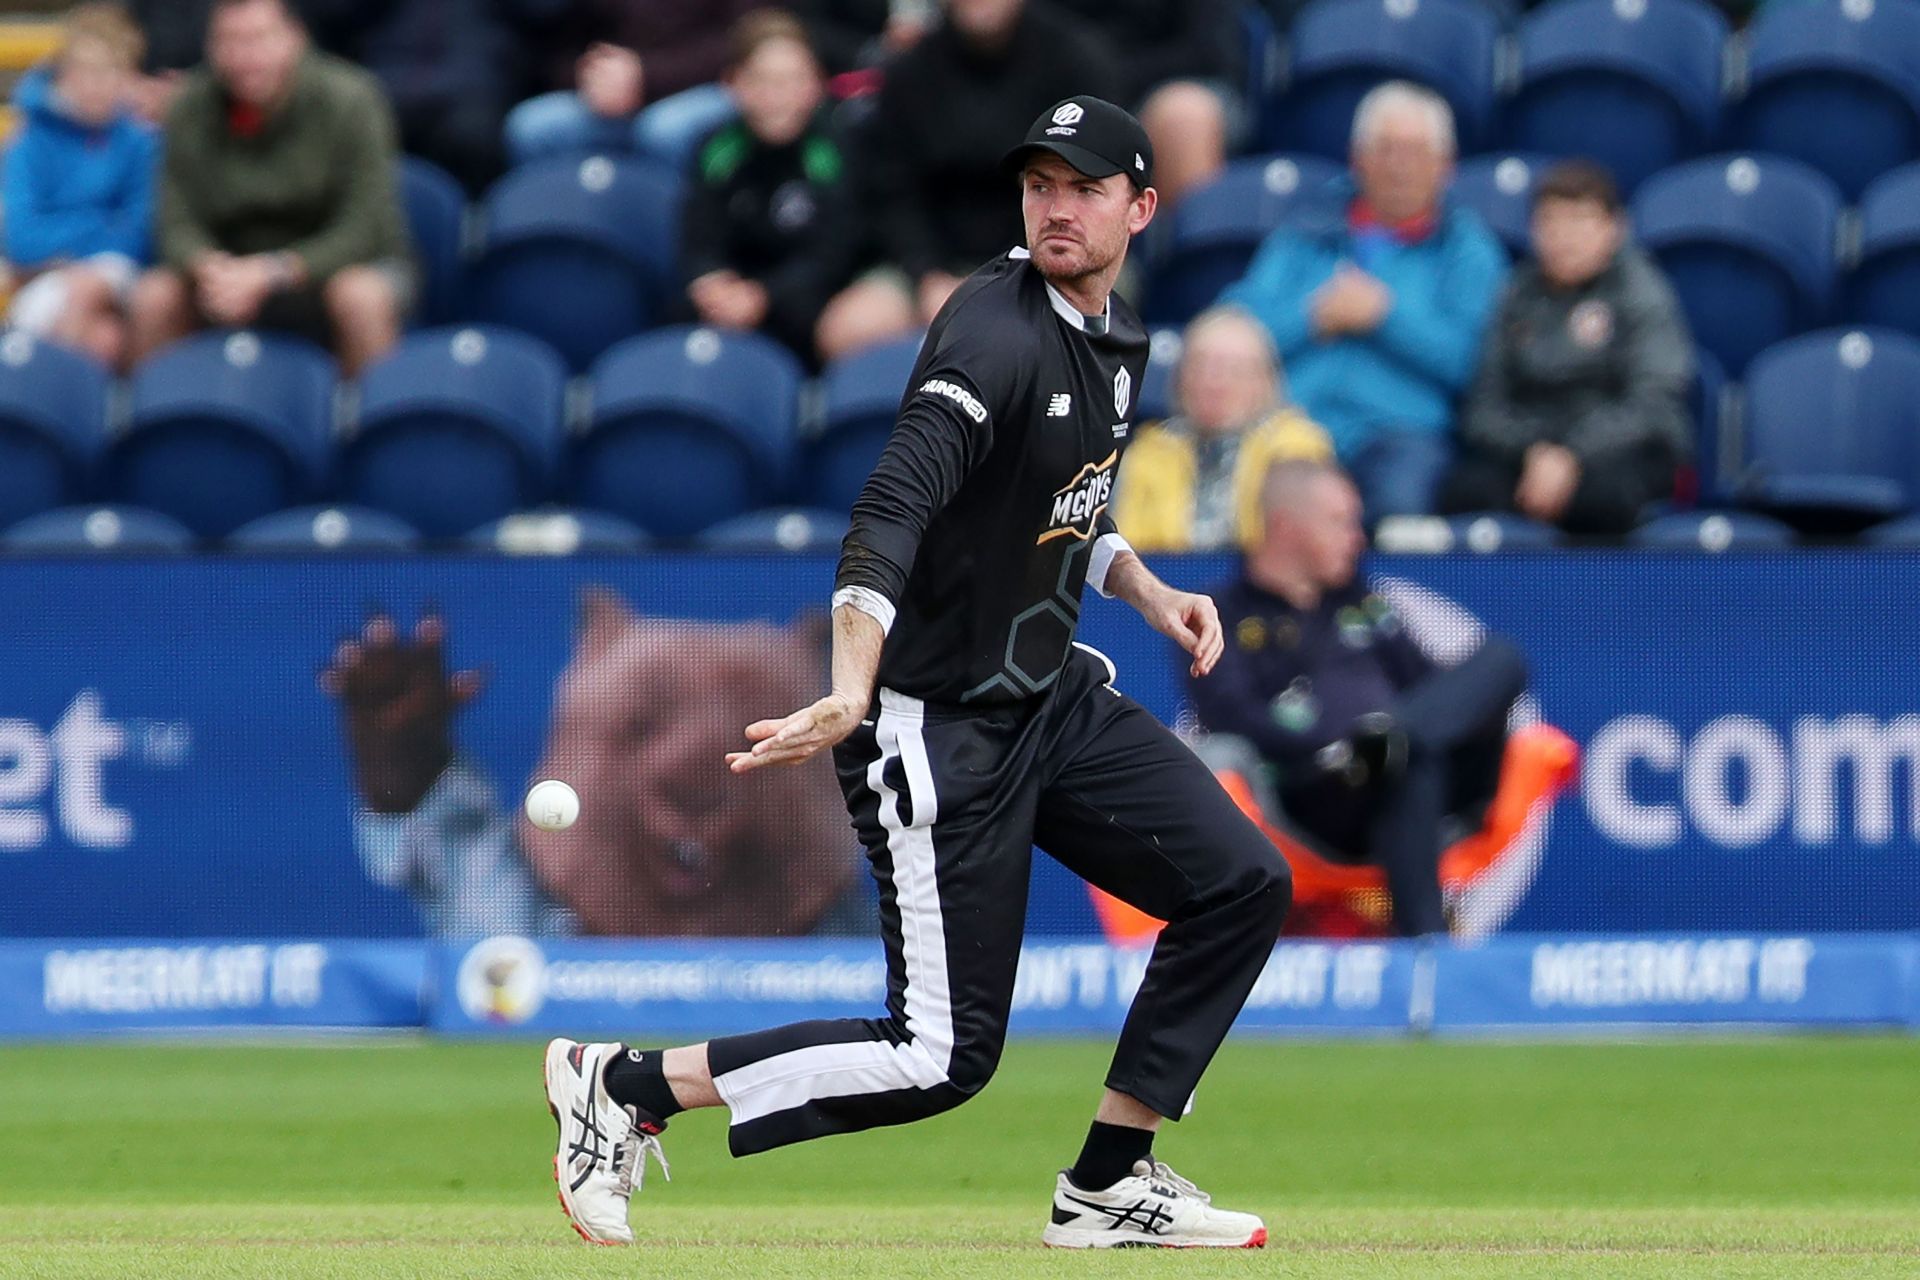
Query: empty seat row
(1758,247)
(676,430)
(1637,84)
(300,530)
(579,251)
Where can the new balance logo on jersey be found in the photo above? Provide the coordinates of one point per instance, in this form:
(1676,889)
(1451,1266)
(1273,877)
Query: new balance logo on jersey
(1060,406)
(1080,503)
(968,402)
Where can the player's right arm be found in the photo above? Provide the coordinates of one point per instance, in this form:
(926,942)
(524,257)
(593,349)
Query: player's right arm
(945,428)
(857,640)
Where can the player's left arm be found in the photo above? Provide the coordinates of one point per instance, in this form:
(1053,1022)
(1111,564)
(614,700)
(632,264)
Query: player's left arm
(1188,617)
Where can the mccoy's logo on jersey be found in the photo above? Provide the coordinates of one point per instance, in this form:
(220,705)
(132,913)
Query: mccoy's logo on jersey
(968,402)
(1077,506)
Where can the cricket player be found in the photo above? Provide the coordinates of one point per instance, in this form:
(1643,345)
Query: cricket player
(967,727)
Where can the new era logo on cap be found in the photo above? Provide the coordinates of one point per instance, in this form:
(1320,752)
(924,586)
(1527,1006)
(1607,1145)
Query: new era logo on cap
(1138,163)
(1069,113)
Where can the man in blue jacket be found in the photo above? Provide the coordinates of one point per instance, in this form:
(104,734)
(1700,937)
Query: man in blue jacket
(78,187)
(1377,294)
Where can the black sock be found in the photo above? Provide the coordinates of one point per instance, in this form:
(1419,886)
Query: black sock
(1109,1155)
(638,1078)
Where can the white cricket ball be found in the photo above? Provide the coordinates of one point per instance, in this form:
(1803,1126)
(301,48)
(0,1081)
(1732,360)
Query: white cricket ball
(553,805)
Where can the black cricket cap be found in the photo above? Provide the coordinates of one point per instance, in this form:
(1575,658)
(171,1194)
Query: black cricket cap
(1091,134)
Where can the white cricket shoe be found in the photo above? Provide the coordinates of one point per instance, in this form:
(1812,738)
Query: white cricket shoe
(603,1145)
(1156,1208)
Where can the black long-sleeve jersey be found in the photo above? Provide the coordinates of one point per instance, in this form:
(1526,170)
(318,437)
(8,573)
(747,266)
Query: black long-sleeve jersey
(987,512)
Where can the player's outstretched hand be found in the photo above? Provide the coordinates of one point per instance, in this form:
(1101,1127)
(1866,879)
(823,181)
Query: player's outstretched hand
(791,739)
(1194,624)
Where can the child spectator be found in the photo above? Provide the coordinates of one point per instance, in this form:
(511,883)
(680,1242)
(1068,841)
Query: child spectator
(1578,417)
(772,233)
(79,187)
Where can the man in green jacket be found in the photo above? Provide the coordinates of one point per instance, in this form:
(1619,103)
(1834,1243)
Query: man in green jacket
(277,204)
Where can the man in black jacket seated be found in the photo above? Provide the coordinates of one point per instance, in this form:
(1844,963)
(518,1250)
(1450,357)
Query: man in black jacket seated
(1330,710)
(1578,417)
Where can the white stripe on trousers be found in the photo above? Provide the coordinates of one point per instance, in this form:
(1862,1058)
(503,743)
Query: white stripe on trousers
(796,1078)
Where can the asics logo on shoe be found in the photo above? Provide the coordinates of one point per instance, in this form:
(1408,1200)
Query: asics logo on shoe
(589,1143)
(1141,1214)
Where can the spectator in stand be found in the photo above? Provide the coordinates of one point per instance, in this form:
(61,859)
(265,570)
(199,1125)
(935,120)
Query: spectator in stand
(1193,482)
(1579,415)
(850,35)
(1331,712)
(1377,295)
(79,187)
(176,32)
(1180,63)
(620,55)
(448,66)
(944,118)
(277,196)
(771,231)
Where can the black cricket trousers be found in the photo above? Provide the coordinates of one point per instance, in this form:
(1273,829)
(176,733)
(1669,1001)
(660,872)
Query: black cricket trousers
(949,802)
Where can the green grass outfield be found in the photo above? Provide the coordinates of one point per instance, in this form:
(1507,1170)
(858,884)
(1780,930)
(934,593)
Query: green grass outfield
(1736,1158)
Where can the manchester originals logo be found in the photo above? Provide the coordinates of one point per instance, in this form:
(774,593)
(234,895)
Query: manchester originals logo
(1080,503)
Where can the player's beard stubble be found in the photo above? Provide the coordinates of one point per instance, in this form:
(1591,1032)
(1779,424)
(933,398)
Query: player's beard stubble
(1075,260)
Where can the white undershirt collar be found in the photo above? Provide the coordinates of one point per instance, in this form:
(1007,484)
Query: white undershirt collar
(1067,311)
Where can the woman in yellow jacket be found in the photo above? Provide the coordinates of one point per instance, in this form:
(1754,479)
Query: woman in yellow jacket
(1192,483)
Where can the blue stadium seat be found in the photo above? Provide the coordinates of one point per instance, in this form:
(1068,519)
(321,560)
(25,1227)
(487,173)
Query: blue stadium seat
(780,529)
(225,427)
(689,426)
(1748,242)
(1343,48)
(1634,84)
(1214,230)
(1499,187)
(1156,385)
(1903,533)
(325,528)
(1713,531)
(436,209)
(860,397)
(458,426)
(53,422)
(1833,424)
(1707,404)
(1490,531)
(1260,48)
(578,251)
(1836,84)
(558,531)
(1884,287)
(93,529)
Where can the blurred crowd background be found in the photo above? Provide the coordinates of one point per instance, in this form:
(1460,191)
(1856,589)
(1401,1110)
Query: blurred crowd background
(1595,269)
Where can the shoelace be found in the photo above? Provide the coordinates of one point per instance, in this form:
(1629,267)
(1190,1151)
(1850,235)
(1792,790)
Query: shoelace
(1169,1182)
(630,1163)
